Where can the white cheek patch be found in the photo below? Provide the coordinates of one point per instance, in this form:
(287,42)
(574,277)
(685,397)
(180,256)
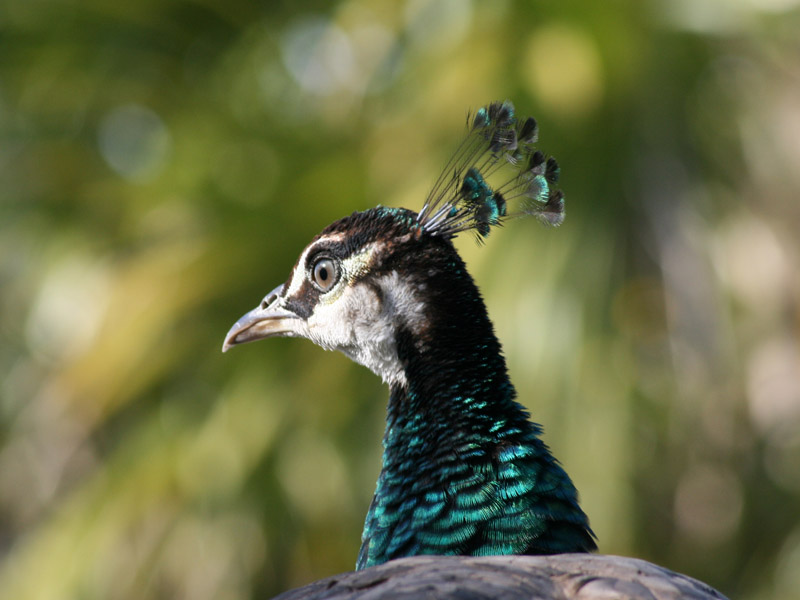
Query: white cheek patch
(363,326)
(402,302)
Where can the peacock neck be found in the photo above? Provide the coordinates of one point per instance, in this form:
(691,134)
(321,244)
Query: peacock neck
(455,381)
(455,398)
(464,470)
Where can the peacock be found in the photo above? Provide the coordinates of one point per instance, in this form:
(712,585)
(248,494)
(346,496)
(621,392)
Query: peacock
(465,472)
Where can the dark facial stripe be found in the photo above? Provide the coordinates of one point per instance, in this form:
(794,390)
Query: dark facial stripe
(302,302)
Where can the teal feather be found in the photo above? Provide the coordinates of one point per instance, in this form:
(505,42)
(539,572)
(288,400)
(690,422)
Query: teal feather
(462,198)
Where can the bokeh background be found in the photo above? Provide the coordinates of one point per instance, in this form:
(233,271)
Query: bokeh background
(162,164)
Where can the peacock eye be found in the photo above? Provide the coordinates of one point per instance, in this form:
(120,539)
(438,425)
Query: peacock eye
(324,274)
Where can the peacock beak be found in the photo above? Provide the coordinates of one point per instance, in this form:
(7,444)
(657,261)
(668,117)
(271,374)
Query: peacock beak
(270,319)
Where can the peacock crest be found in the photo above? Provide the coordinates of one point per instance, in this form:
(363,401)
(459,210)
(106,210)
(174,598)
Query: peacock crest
(462,198)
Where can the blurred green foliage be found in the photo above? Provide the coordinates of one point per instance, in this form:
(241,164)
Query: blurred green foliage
(163,163)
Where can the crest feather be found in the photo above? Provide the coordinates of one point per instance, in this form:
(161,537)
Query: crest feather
(462,199)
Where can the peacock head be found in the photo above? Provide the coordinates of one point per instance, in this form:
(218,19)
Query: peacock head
(376,274)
